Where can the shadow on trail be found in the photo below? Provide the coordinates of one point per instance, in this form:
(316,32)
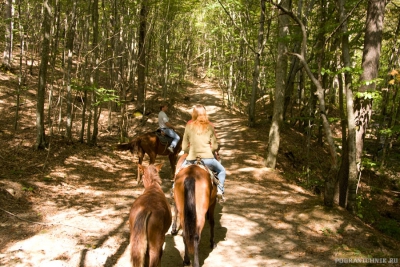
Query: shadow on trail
(174,248)
(113,258)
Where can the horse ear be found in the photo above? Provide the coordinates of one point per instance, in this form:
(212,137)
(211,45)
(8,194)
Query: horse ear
(158,166)
(141,168)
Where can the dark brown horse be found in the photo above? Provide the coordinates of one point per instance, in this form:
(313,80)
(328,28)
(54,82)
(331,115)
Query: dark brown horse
(150,218)
(150,144)
(195,200)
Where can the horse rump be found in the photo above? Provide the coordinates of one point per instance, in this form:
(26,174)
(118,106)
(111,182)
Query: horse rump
(131,146)
(138,238)
(190,233)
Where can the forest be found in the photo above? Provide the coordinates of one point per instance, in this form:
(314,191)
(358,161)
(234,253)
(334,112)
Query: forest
(326,72)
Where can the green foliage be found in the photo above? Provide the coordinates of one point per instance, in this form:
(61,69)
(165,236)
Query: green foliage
(368,212)
(29,189)
(106,95)
(103,95)
(332,120)
(390,227)
(368,163)
(327,231)
(369,95)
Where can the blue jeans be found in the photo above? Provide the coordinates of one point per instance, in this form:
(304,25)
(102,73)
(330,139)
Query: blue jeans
(171,133)
(217,167)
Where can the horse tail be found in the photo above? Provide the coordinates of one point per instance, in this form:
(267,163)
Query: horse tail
(190,233)
(131,146)
(139,240)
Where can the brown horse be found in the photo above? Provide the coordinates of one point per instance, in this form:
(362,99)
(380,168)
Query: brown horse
(150,218)
(195,198)
(150,144)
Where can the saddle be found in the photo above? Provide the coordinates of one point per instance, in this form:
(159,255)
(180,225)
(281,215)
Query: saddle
(199,162)
(164,139)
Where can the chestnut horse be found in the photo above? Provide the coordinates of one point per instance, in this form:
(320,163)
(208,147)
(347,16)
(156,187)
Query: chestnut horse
(195,198)
(150,218)
(150,144)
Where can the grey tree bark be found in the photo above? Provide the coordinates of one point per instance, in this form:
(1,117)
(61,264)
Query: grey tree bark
(9,34)
(348,165)
(330,178)
(95,76)
(69,49)
(280,86)
(141,68)
(46,27)
(370,66)
(256,70)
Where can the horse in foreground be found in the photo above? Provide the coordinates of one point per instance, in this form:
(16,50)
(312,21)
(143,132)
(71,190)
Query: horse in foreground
(150,218)
(195,198)
(153,144)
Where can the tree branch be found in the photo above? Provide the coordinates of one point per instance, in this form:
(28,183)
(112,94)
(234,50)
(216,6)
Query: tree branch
(237,27)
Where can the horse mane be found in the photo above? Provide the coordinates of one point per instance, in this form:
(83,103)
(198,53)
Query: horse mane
(151,176)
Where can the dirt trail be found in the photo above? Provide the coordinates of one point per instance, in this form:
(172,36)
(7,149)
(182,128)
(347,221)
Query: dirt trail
(84,207)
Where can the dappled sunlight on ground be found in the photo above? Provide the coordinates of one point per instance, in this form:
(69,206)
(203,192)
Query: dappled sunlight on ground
(77,213)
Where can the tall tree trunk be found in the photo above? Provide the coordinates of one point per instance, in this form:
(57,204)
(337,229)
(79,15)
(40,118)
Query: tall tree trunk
(256,70)
(370,66)
(142,54)
(9,34)
(85,105)
(46,27)
(95,75)
(348,165)
(70,48)
(280,85)
(54,53)
(20,79)
(330,179)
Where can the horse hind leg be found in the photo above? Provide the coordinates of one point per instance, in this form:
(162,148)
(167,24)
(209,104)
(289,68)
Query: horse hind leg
(175,226)
(155,257)
(186,258)
(140,155)
(172,163)
(196,251)
(211,222)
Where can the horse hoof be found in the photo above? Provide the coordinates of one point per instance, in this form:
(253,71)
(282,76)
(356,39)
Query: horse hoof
(174,232)
(186,263)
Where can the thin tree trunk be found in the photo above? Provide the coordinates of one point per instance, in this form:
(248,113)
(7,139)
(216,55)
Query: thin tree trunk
(95,75)
(280,85)
(46,27)
(256,70)
(142,54)
(349,166)
(70,48)
(21,54)
(9,34)
(53,64)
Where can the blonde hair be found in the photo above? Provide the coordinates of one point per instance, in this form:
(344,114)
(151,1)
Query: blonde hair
(200,119)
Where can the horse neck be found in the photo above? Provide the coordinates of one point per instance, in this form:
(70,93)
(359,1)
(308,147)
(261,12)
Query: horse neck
(151,184)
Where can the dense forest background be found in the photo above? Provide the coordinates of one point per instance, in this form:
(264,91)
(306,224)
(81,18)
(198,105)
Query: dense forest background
(330,69)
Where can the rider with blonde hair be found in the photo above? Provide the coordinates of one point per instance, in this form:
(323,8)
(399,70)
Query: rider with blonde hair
(199,140)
